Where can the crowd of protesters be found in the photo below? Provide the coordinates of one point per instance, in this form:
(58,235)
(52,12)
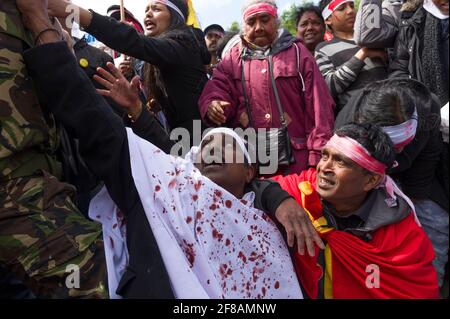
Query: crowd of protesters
(96,200)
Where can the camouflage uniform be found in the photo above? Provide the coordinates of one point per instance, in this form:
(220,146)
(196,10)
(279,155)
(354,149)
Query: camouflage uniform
(42,233)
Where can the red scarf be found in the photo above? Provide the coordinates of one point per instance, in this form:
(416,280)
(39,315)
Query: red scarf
(402,252)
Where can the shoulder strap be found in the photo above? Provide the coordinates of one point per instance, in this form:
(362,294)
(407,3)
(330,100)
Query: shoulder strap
(297,50)
(244,92)
(275,91)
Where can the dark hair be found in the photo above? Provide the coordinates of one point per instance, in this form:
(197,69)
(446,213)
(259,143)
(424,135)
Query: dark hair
(177,31)
(323,4)
(392,102)
(224,41)
(373,139)
(302,10)
(176,21)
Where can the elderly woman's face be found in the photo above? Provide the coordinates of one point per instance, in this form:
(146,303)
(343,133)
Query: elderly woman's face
(261,29)
(157,19)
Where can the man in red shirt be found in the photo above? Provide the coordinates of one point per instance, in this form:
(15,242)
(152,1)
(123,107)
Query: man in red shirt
(375,247)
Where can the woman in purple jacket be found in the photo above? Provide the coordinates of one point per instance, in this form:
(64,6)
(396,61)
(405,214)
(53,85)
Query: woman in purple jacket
(272,62)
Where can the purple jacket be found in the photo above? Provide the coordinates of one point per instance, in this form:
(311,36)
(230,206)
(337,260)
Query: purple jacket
(304,95)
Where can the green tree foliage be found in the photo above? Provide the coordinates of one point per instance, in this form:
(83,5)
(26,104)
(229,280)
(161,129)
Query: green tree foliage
(289,16)
(235,27)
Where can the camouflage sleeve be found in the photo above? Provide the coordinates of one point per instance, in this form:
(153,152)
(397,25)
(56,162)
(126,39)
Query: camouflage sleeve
(28,135)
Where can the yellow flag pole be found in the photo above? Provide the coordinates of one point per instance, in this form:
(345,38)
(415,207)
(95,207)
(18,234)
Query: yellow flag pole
(122,11)
(122,19)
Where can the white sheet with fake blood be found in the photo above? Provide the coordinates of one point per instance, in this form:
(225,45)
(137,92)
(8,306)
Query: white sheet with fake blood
(213,244)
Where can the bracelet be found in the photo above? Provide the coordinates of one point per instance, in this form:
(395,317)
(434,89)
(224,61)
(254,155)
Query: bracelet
(132,120)
(131,117)
(46,30)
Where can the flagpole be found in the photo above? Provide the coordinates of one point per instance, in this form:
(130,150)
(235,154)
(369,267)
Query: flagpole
(122,11)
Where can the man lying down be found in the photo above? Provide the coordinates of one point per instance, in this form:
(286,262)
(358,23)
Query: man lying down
(214,243)
(191,231)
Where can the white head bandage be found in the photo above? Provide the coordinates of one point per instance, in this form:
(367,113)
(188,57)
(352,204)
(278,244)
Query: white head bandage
(234,135)
(403,134)
(171,5)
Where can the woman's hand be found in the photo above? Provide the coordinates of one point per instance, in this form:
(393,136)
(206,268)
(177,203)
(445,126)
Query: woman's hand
(117,87)
(216,113)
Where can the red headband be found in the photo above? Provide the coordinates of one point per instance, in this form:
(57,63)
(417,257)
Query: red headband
(260,8)
(357,153)
(329,9)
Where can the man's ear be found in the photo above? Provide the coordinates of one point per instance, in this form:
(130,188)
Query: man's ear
(250,173)
(373,180)
(328,22)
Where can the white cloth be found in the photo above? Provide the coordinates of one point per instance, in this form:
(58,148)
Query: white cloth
(445,123)
(234,135)
(434,10)
(213,245)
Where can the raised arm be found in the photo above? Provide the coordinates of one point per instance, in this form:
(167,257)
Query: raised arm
(74,102)
(127,96)
(339,78)
(123,38)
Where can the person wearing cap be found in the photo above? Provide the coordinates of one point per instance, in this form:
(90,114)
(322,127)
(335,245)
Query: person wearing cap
(213,35)
(175,55)
(412,123)
(270,80)
(346,67)
(376,248)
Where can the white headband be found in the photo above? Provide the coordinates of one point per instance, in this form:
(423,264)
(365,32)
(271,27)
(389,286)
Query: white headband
(234,135)
(403,134)
(170,4)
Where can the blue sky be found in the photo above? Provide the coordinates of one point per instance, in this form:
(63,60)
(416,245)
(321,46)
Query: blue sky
(223,12)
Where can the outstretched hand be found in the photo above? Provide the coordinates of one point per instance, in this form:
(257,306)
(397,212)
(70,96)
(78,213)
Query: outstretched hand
(117,87)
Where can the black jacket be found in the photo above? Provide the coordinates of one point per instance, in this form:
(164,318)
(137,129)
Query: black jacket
(418,172)
(179,55)
(104,146)
(409,45)
(407,59)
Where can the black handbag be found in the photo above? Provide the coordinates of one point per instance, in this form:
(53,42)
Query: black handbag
(275,139)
